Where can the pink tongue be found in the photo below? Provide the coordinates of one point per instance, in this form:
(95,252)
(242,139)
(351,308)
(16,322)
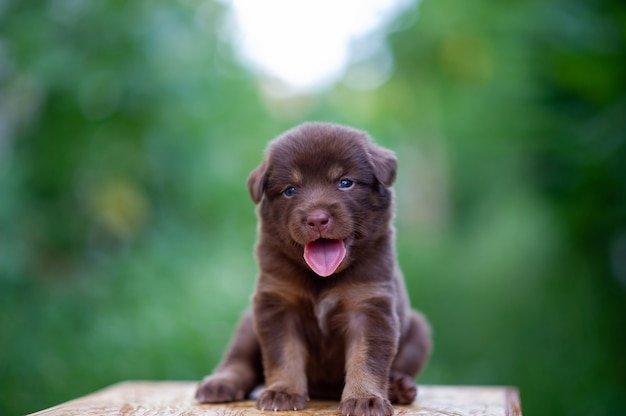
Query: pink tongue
(324,256)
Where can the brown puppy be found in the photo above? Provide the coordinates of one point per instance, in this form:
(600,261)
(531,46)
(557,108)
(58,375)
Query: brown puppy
(330,316)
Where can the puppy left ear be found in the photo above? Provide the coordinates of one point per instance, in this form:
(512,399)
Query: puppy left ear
(385,165)
(257,182)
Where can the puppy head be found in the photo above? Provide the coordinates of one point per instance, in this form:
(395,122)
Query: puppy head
(325,194)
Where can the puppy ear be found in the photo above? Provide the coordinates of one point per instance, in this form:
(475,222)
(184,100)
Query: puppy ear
(385,164)
(257,182)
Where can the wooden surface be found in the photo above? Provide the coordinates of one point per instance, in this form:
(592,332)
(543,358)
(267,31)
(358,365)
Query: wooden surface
(134,398)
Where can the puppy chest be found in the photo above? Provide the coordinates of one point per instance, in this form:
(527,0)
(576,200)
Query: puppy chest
(326,312)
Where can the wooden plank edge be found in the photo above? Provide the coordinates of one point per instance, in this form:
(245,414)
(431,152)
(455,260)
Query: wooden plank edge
(513,404)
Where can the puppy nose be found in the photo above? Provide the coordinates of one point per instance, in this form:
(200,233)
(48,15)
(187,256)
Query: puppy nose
(318,220)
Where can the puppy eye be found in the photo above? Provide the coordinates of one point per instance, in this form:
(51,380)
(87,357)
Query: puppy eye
(346,184)
(290,191)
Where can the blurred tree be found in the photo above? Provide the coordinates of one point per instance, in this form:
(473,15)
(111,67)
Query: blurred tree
(122,151)
(531,104)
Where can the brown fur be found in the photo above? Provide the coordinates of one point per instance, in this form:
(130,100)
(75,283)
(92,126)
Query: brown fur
(351,335)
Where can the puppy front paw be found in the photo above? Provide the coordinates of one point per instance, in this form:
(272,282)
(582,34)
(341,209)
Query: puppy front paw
(279,400)
(216,389)
(402,388)
(369,406)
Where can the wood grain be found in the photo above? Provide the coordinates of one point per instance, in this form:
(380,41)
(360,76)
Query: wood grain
(144,398)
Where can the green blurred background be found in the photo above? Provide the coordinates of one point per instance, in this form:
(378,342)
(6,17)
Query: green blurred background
(128,129)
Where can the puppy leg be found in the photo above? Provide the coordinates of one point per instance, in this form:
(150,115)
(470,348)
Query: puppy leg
(284,354)
(413,352)
(371,344)
(402,388)
(240,370)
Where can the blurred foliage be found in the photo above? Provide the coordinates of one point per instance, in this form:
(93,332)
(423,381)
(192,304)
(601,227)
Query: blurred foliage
(127,130)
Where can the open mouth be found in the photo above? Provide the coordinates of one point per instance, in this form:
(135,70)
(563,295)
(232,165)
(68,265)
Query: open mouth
(324,255)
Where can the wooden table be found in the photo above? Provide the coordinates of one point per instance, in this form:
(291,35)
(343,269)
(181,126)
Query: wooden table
(134,398)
